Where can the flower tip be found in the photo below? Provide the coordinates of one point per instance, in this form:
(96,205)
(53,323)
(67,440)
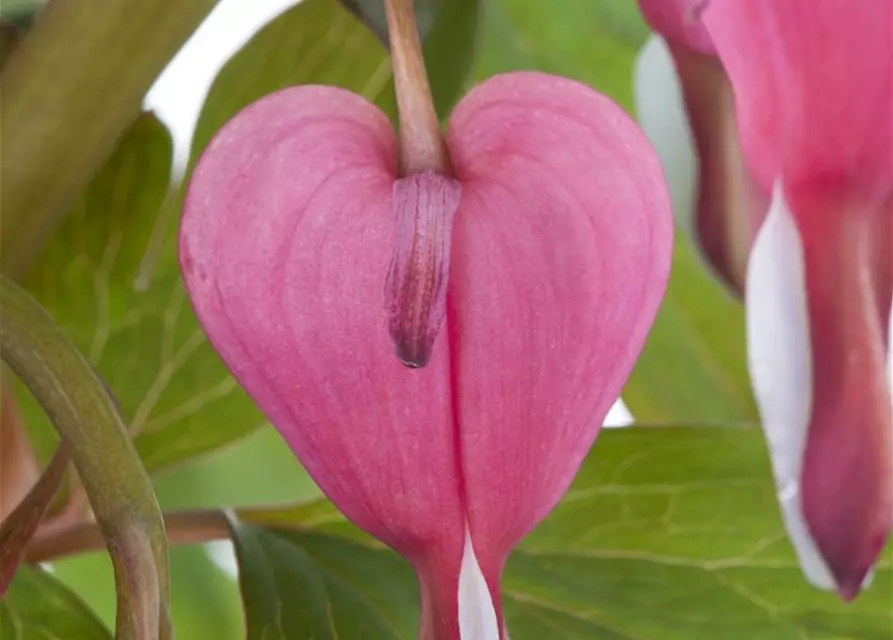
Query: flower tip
(848,592)
(851,580)
(412,355)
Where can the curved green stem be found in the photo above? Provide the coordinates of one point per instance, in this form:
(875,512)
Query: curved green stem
(120,492)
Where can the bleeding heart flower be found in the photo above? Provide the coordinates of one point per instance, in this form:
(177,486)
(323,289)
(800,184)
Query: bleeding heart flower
(544,258)
(730,206)
(813,85)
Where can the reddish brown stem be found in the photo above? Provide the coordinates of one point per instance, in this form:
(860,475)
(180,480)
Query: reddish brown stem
(421,142)
(186,527)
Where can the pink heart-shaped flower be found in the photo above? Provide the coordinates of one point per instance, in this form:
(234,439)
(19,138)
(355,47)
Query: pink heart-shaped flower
(542,261)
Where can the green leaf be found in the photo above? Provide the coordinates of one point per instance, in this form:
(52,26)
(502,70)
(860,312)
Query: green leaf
(39,606)
(319,42)
(111,279)
(666,534)
(204,600)
(593,41)
(260,469)
(69,93)
(450,52)
(298,586)
(693,367)
(273,573)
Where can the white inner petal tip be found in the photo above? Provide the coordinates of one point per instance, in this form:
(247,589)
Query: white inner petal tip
(780,363)
(812,564)
(477,615)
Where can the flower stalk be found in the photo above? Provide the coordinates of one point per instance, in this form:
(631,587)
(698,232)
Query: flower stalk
(422,147)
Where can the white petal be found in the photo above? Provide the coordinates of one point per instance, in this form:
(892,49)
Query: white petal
(477,616)
(660,110)
(619,415)
(780,364)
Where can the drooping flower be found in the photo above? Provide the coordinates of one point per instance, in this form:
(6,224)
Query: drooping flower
(813,86)
(304,251)
(729,205)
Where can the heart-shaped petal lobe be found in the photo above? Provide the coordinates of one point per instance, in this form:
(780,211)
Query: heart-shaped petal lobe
(561,254)
(287,235)
(558,259)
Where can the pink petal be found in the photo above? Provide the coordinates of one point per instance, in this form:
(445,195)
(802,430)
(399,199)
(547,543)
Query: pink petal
(679,21)
(812,83)
(730,205)
(560,258)
(287,234)
(823,397)
(848,461)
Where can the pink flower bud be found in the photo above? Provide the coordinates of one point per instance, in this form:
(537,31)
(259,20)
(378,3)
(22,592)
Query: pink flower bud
(542,262)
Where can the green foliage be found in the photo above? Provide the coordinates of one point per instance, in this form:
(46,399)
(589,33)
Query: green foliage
(666,534)
(38,606)
(593,41)
(110,278)
(204,600)
(78,52)
(298,585)
(261,469)
(694,366)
